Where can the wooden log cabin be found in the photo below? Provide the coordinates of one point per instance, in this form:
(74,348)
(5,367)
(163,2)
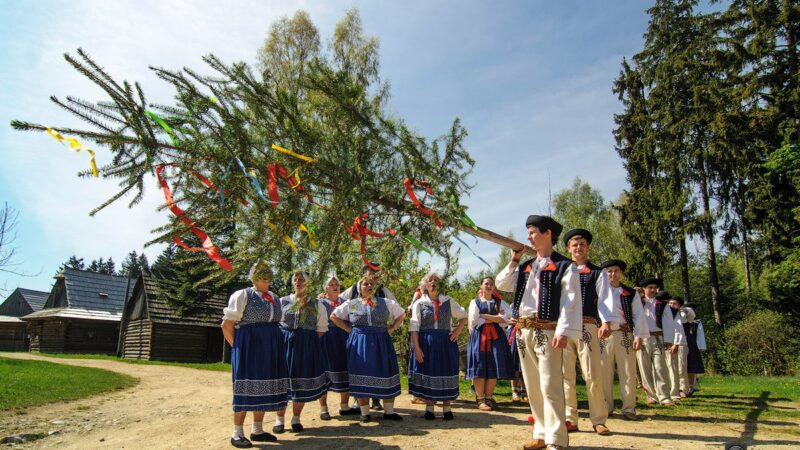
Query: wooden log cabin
(155,330)
(81,315)
(13,330)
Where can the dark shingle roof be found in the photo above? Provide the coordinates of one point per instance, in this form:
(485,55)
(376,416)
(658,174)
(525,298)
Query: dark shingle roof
(36,299)
(95,291)
(210,315)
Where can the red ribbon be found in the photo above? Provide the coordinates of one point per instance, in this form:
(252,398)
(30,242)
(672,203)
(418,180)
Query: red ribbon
(550,267)
(275,170)
(208,245)
(436,304)
(488,334)
(413,196)
(369,302)
(359,232)
(586,270)
(266,296)
(210,185)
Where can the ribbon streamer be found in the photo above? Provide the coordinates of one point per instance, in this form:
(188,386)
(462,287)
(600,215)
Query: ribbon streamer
(164,126)
(416,243)
(410,185)
(472,251)
(311,241)
(208,246)
(288,240)
(359,232)
(252,178)
(291,153)
(275,170)
(77,147)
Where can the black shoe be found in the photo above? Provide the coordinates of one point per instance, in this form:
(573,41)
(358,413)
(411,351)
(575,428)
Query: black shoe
(376,404)
(325,415)
(365,419)
(296,427)
(394,416)
(429,415)
(241,442)
(448,415)
(263,437)
(350,412)
(278,429)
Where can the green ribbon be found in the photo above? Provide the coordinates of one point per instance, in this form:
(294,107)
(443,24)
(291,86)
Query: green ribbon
(416,243)
(164,126)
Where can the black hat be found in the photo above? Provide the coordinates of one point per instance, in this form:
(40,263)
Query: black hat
(578,232)
(678,299)
(615,262)
(544,223)
(663,295)
(648,281)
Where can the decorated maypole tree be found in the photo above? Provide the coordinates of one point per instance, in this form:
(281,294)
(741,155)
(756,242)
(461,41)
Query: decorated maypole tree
(298,161)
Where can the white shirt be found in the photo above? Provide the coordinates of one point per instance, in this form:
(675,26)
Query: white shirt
(570,318)
(605,301)
(343,311)
(238,302)
(456,311)
(673,327)
(639,324)
(475,319)
(322,316)
(701,336)
(649,308)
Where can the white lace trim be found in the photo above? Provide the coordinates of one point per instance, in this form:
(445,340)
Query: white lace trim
(445,382)
(376,382)
(254,388)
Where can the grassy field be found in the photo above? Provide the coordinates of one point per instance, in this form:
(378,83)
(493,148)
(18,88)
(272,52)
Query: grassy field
(32,383)
(218,367)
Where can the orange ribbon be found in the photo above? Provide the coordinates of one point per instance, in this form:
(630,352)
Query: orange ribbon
(410,185)
(359,232)
(275,170)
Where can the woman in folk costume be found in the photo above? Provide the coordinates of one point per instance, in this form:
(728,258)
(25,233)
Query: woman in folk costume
(334,347)
(696,339)
(488,353)
(258,362)
(433,369)
(371,360)
(304,321)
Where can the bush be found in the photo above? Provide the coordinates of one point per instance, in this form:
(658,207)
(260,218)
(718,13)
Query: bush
(761,344)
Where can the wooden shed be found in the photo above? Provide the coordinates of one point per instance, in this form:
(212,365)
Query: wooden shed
(81,315)
(13,330)
(153,329)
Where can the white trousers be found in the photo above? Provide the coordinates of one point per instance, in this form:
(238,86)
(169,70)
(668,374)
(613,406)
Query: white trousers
(586,350)
(653,368)
(618,353)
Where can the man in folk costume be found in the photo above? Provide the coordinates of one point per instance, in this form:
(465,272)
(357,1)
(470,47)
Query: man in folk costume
(652,361)
(676,346)
(598,319)
(546,313)
(625,341)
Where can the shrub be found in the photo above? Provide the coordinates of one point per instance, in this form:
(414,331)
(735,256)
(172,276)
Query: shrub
(761,344)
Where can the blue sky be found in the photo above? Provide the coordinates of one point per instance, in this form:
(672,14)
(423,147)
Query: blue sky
(531,81)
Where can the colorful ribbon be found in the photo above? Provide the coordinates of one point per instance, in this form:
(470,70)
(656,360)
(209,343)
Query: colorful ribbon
(472,251)
(77,147)
(488,335)
(164,126)
(252,178)
(275,170)
(410,185)
(286,238)
(207,245)
(291,153)
(359,232)
(416,243)
(311,241)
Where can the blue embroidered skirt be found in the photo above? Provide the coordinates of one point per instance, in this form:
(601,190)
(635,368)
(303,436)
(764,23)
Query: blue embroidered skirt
(306,363)
(437,377)
(488,354)
(515,364)
(334,347)
(372,364)
(258,366)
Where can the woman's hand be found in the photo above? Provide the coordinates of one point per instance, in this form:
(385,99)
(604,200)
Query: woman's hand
(419,356)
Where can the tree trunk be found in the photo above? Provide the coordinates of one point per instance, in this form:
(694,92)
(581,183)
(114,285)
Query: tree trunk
(684,263)
(746,259)
(708,234)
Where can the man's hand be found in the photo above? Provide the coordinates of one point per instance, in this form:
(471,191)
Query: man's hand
(516,255)
(604,331)
(559,342)
(673,349)
(637,343)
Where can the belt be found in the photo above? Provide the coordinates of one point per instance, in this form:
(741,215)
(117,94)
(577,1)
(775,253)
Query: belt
(534,322)
(656,333)
(590,320)
(625,327)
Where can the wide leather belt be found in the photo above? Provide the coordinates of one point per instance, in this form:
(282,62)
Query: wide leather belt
(534,322)
(589,320)
(625,327)
(656,333)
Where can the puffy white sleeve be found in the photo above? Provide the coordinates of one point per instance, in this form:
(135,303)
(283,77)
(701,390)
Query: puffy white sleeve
(605,300)
(570,319)
(701,336)
(414,324)
(343,310)
(639,324)
(322,319)
(688,314)
(506,280)
(475,319)
(236,306)
(456,311)
(395,310)
(505,311)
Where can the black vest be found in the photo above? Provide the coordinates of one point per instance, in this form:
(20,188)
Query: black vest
(627,303)
(659,312)
(549,287)
(589,275)
(355,294)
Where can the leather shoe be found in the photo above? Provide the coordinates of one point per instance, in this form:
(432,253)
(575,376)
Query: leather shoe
(278,429)
(349,411)
(241,442)
(448,415)
(429,416)
(571,426)
(602,430)
(325,415)
(629,416)
(297,427)
(365,418)
(667,403)
(534,444)
(394,416)
(263,437)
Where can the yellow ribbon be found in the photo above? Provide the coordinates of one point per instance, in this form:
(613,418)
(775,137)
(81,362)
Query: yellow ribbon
(286,238)
(291,153)
(77,147)
(311,240)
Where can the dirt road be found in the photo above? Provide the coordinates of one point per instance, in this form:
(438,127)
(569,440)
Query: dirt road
(174,407)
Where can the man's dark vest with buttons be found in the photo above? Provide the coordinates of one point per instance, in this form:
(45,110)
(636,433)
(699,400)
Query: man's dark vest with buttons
(549,286)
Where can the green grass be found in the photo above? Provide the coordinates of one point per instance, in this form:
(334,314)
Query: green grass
(217,367)
(33,383)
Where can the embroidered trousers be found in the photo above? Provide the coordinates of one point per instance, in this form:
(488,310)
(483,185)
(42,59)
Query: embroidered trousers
(653,368)
(589,356)
(619,353)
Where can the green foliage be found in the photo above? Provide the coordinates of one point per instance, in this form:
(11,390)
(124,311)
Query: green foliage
(34,383)
(764,343)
